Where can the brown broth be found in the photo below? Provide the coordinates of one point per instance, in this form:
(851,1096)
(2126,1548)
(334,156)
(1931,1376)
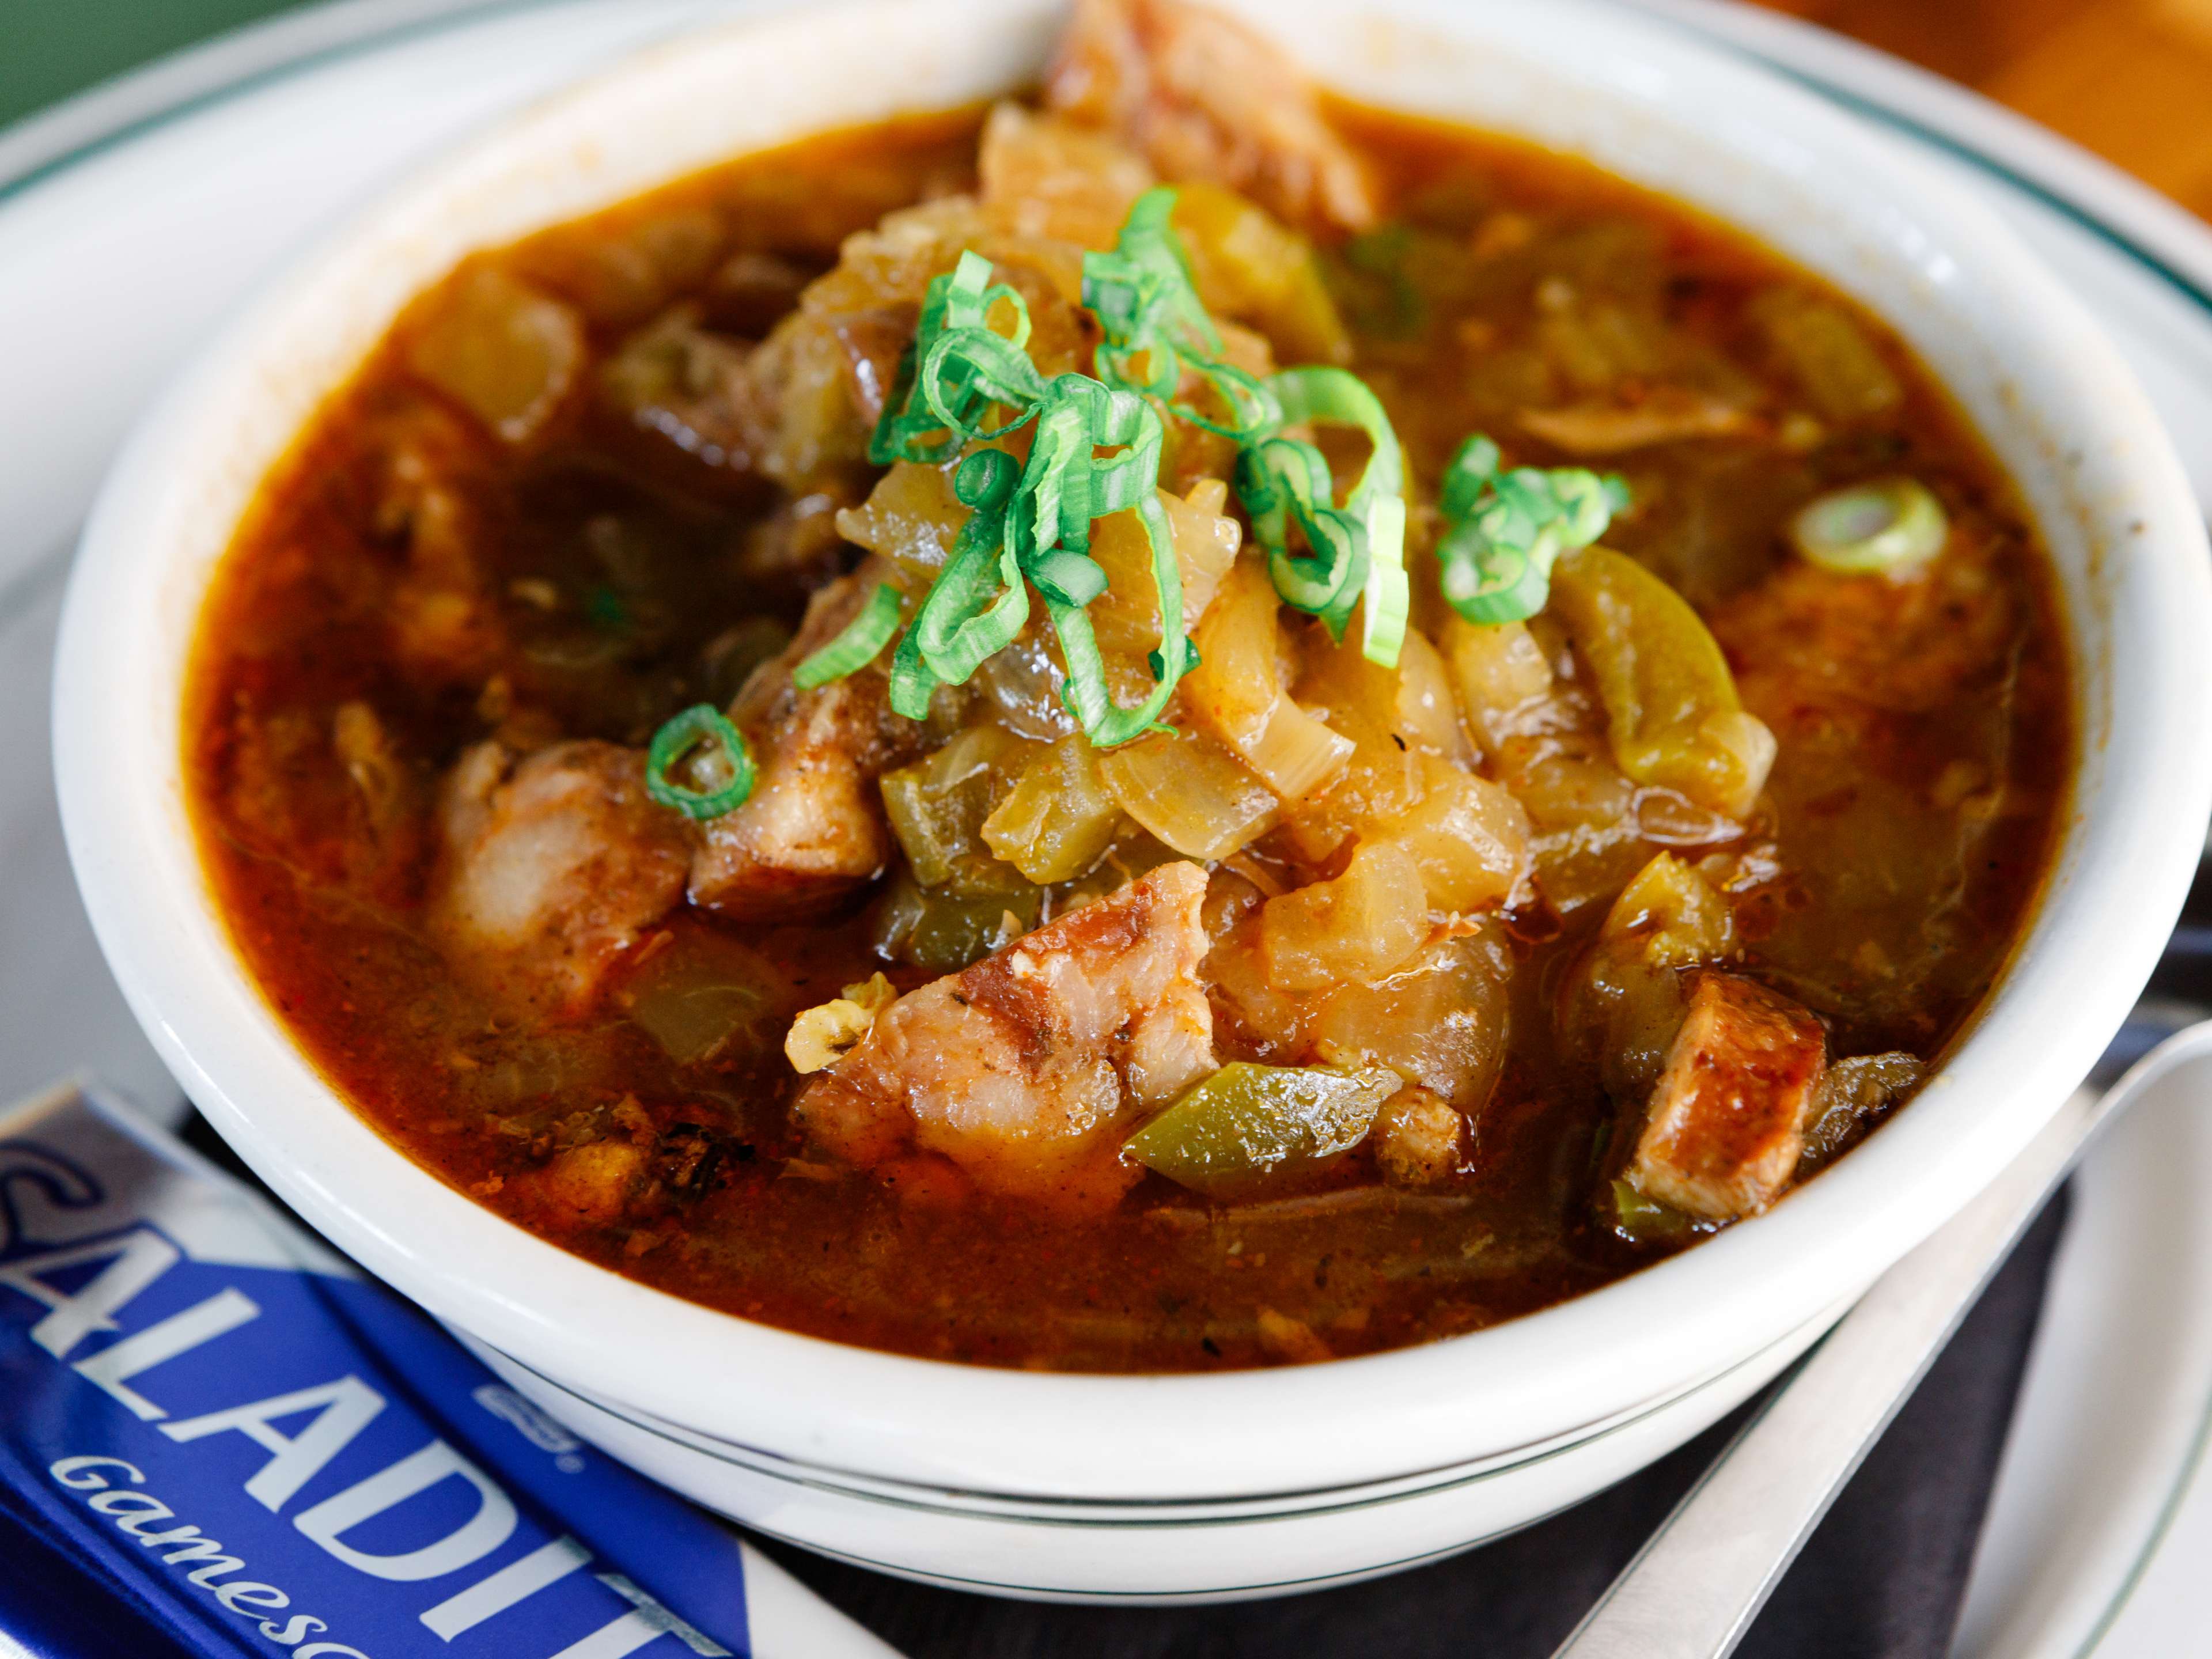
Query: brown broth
(1890,915)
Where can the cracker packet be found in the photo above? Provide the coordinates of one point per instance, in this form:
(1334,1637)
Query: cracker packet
(217,1437)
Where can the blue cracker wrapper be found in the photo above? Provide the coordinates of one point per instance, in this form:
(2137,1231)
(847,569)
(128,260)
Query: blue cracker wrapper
(217,1438)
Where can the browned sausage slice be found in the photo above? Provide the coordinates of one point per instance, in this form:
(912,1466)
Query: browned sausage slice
(1727,1118)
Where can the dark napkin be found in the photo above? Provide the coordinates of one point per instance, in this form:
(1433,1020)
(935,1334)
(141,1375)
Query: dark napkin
(1881,1578)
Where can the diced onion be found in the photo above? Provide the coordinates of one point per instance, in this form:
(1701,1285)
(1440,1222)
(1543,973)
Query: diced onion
(1237,692)
(1126,615)
(1440,1019)
(1358,926)
(912,517)
(1190,793)
(1892,525)
(1298,756)
(1469,836)
(1497,669)
(1423,710)
(506,352)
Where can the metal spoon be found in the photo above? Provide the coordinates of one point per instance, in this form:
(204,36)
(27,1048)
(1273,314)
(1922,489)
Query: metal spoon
(1694,1590)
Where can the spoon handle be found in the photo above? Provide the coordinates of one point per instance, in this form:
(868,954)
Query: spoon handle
(1694,1590)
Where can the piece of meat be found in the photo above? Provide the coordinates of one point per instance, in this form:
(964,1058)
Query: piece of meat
(823,373)
(1043,176)
(1204,97)
(1728,1117)
(1664,415)
(587,1186)
(1417,1138)
(796,546)
(1022,1068)
(813,829)
(694,387)
(1806,640)
(552,868)
(440,613)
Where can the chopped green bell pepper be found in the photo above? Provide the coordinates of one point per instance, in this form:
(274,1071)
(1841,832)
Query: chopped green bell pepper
(1248,1122)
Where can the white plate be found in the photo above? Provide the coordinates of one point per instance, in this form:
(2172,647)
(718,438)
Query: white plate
(149,207)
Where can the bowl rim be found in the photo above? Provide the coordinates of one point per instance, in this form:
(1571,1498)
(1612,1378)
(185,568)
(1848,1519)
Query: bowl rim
(2128,851)
(1184,1511)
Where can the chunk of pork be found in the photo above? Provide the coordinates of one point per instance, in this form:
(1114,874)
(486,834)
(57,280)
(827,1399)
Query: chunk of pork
(1664,415)
(1043,176)
(1022,1068)
(553,866)
(825,372)
(813,830)
(1203,97)
(1728,1117)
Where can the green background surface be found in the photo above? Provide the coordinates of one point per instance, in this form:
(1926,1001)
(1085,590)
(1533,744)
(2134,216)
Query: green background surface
(51,48)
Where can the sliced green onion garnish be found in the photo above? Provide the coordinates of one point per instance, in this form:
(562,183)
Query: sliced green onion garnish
(1251,406)
(939,397)
(1143,297)
(1389,595)
(1504,530)
(1065,486)
(1105,722)
(1354,552)
(912,684)
(1149,310)
(965,619)
(672,746)
(857,643)
(1073,579)
(968,371)
(1891,525)
(1282,481)
(1095,450)
(1377,500)
(1030,524)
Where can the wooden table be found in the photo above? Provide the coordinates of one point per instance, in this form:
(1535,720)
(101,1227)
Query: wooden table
(2130,79)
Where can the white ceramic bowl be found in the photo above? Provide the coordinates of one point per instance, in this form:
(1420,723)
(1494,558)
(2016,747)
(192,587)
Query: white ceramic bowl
(1164,1487)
